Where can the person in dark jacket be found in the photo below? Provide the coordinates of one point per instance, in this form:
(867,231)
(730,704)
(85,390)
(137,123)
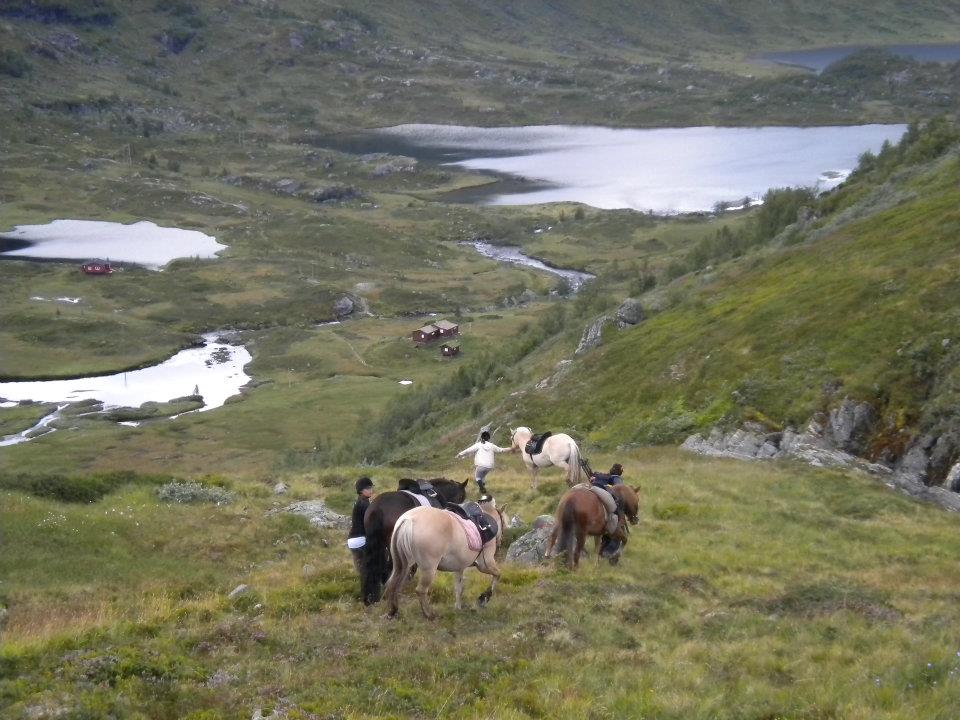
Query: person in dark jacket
(357,538)
(614,477)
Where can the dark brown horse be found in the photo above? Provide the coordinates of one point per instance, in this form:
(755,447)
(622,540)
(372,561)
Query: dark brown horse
(378,524)
(581,513)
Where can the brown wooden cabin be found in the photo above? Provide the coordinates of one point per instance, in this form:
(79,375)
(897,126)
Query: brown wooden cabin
(447,329)
(435,331)
(425,335)
(97,267)
(449,351)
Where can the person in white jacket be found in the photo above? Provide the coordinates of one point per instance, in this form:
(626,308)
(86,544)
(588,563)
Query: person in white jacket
(483,459)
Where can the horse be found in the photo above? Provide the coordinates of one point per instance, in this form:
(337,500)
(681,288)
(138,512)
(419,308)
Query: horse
(378,523)
(581,513)
(433,540)
(560,450)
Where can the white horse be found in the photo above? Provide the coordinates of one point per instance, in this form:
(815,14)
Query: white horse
(430,540)
(560,450)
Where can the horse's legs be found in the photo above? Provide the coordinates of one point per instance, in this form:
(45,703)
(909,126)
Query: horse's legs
(596,547)
(490,568)
(534,472)
(581,539)
(458,587)
(565,466)
(398,578)
(424,583)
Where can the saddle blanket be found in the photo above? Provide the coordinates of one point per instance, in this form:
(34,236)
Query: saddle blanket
(422,499)
(473,533)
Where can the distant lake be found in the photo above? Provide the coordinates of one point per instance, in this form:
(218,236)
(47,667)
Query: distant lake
(142,243)
(672,170)
(818,59)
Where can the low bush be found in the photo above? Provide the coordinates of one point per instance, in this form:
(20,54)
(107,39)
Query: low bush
(194,492)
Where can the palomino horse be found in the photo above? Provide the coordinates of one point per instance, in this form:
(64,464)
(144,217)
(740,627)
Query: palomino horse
(581,513)
(433,540)
(560,450)
(378,524)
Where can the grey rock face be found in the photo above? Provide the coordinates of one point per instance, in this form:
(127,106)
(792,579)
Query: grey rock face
(916,461)
(952,481)
(238,591)
(531,549)
(317,512)
(850,425)
(592,336)
(944,454)
(630,313)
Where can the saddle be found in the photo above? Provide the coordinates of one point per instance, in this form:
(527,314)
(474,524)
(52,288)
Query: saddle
(534,445)
(421,487)
(471,511)
(610,501)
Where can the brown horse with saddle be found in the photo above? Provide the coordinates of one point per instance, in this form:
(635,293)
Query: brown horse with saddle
(583,511)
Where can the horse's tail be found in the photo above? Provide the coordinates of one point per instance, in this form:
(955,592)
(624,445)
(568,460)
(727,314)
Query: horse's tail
(374,560)
(401,550)
(573,465)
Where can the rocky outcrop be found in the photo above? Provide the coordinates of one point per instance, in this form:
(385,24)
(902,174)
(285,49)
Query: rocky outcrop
(833,441)
(592,335)
(531,548)
(630,313)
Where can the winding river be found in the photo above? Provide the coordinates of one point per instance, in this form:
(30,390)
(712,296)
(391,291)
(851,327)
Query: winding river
(214,371)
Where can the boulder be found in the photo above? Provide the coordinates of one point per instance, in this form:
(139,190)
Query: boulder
(280,488)
(343,306)
(531,548)
(593,335)
(317,512)
(630,313)
(238,591)
(287,186)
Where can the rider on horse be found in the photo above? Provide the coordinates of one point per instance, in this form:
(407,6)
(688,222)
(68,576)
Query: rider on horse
(606,481)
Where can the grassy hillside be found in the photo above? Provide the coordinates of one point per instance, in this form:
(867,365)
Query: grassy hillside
(212,67)
(745,592)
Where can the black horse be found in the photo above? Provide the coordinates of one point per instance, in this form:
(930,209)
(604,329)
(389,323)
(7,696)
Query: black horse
(378,523)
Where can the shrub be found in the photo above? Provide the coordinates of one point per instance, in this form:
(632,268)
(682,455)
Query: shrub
(84,488)
(193,492)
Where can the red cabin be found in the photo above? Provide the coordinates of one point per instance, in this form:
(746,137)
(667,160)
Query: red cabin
(97,267)
(425,335)
(449,351)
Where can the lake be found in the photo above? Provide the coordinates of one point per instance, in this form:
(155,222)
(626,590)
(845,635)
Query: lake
(142,243)
(818,59)
(666,170)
